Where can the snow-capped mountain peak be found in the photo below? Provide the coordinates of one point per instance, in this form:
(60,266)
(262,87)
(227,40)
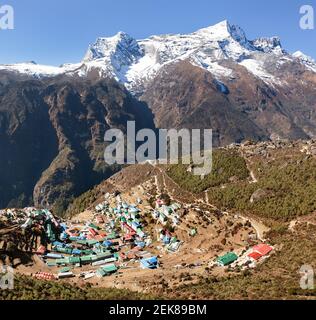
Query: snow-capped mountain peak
(121,43)
(303,57)
(135,62)
(112,56)
(223,30)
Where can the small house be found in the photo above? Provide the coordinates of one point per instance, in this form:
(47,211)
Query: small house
(254,256)
(149,263)
(227,259)
(262,249)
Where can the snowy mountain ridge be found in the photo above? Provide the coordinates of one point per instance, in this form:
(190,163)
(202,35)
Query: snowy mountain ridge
(308,61)
(135,62)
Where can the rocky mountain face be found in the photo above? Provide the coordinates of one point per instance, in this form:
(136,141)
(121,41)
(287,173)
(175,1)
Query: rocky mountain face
(52,137)
(237,109)
(267,92)
(52,119)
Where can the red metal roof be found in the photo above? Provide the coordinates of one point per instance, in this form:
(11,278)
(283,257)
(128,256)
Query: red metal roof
(263,249)
(44,276)
(99,237)
(93,232)
(254,255)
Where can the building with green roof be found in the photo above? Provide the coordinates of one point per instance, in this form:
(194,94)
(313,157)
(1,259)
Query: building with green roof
(227,259)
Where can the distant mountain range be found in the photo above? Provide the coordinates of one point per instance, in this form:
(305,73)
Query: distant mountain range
(135,62)
(53,119)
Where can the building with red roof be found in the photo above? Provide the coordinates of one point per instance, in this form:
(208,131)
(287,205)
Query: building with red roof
(255,256)
(262,249)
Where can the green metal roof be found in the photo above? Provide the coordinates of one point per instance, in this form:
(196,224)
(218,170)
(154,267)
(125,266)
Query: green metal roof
(110,268)
(101,272)
(111,236)
(227,259)
(93,226)
(51,263)
(106,270)
(62,261)
(86,258)
(87,251)
(63,250)
(63,270)
(74,260)
(104,254)
(87,242)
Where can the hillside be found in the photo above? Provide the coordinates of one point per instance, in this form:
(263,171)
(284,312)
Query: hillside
(53,119)
(271,180)
(257,192)
(27,288)
(52,137)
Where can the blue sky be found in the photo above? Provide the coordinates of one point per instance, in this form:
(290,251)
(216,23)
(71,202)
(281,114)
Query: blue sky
(58,31)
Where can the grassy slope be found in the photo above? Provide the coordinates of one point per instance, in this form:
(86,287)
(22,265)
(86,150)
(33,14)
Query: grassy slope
(26,288)
(226,165)
(289,186)
(288,182)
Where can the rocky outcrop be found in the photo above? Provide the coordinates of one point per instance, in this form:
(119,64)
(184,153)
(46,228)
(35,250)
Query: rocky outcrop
(258,195)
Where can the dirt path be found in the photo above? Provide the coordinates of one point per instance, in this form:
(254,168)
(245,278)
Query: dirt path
(309,220)
(207,200)
(292,225)
(259,227)
(253,177)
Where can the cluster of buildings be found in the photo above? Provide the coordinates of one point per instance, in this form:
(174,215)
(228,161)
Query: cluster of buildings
(164,213)
(27,217)
(40,220)
(114,238)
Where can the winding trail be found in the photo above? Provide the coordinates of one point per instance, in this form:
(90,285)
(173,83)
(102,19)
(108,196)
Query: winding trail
(253,177)
(258,226)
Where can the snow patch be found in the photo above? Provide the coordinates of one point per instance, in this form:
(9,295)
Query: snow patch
(256,68)
(306,60)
